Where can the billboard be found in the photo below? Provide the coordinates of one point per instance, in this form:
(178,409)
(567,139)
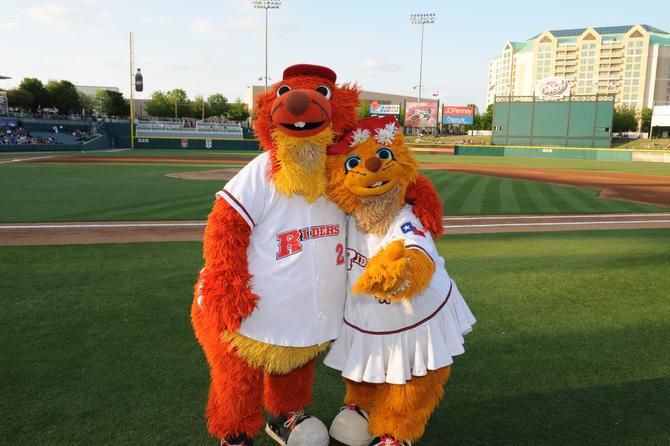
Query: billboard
(4,104)
(454,114)
(661,116)
(384,109)
(421,114)
(552,88)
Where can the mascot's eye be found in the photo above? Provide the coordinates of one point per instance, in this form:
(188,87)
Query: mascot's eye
(352,162)
(283,89)
(384,154)
(324,91)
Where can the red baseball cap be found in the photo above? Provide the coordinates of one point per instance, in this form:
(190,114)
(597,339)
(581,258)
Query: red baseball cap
(310,70)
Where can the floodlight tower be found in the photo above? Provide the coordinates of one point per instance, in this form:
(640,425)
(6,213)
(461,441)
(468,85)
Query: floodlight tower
(266,4)
(421,19)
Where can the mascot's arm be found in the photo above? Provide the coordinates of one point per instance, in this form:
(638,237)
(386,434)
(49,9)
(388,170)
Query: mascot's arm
(225,280)
(426,205)
(395,273)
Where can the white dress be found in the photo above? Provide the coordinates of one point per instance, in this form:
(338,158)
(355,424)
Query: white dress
(391,342)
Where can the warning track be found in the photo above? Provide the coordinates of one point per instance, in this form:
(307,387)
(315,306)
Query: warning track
(164,231)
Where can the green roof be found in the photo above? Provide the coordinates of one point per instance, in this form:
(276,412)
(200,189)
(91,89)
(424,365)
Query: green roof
(622,29)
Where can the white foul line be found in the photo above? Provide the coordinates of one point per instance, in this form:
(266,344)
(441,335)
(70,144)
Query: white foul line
(105,225)
(622,222)
(558,216)
(18,160)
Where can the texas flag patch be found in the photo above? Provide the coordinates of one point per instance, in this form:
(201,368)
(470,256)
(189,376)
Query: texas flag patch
(409,227)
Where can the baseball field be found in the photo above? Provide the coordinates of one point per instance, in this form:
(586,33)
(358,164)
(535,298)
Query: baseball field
(99,251)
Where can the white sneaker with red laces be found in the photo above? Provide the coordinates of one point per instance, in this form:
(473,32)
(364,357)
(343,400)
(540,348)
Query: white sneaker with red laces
(297,429)
(387,440)
(350,426)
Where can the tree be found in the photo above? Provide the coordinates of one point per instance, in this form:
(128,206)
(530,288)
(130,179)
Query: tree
(87,103)
(217,105)
(645,118)
(36,88)
(20,98)
(485,121)
(111,103)
(238,111)
(159,105)
(625,119)
(63,95)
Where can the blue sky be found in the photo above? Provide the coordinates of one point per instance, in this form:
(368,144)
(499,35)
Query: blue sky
(218,46)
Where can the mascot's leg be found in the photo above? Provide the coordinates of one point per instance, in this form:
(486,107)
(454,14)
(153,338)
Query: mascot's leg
(285,397)
(234,409)
(402,411)
(350,426)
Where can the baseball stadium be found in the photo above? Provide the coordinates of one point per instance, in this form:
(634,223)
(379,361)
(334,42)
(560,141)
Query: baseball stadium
(556,231)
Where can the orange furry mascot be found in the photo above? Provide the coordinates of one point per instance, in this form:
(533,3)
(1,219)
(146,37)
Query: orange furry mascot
(271,294)
(404,317)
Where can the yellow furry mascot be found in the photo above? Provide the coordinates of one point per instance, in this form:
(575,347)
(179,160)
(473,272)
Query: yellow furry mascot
(404,316)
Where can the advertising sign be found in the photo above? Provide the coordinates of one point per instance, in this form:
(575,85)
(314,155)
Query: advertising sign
(661,116)
(454,114)
(208,143)
(552,88)
(4,105)
(421,114)
(384,109)
(184,143)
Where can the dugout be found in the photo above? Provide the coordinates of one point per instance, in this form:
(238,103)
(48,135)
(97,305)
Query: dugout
(572,121)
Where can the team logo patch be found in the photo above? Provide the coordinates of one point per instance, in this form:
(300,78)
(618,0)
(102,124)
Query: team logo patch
(355,258)
(409,227)
(291,242)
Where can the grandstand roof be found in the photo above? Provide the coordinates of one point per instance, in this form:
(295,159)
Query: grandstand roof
(622,29)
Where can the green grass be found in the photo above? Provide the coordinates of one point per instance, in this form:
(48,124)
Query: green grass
(114,192)
(544,163)
(570,346)
(642,144)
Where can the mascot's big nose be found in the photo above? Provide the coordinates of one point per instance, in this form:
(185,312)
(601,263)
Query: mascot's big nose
(297,102)
(373,164)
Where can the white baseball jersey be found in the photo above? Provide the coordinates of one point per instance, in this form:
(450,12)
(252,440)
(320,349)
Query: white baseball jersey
(296,258)
(383,341)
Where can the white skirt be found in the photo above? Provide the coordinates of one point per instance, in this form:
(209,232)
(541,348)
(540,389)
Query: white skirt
(395,358)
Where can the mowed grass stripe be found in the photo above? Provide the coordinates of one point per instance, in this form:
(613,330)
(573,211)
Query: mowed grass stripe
(536,192)
(475,199)
(507,199)
(456,198)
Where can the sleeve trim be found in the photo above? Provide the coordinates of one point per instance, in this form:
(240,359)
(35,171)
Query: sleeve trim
(240,206)
(420,249)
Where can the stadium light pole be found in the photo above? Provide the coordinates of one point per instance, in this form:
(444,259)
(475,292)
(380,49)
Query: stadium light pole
(421,19)
(131,51)
(267,5)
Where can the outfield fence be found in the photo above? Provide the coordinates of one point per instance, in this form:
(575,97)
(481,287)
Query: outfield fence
(659,156)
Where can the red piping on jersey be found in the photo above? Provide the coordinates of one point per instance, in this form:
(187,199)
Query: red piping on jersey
(400,330)
(420,248)
(240,205)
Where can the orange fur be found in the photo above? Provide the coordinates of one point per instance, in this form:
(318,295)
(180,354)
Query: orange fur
(403,410)
(396,273)
(290,392)
(361,394)
(225,280)
(426,205)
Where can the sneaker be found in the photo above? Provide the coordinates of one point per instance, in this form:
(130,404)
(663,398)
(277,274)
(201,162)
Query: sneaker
(238,440)
(387,440)
(350,426)
(298,428)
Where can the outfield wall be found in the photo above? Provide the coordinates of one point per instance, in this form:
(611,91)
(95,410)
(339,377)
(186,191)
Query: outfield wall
(564,152)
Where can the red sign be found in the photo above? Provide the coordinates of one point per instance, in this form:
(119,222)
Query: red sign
(184,143)
(455,110)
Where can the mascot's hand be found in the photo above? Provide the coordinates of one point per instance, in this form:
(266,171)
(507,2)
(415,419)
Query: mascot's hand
(226,301)
(395,273)
(386,274)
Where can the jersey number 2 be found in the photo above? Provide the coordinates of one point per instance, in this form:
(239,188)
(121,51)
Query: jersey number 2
(339,249)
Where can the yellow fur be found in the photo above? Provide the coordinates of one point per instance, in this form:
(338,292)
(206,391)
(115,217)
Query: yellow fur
(272,358)
(302,161)
(395,273)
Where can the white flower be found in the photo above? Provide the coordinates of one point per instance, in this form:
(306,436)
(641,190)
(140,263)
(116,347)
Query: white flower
(359,136)
(385,135)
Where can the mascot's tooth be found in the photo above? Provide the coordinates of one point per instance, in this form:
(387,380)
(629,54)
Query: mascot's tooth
(299,124)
